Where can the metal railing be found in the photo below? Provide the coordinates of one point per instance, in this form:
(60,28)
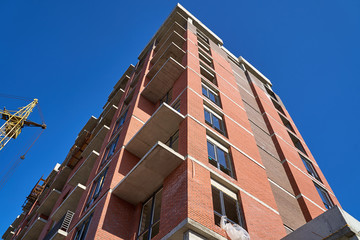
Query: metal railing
(62,224)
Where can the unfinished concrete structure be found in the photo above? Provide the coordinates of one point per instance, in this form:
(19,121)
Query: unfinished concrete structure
(187,135)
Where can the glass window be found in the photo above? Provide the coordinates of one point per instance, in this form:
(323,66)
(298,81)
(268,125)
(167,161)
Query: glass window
(278,107)
(150,217)
(167,98)
(210,94)
(219,158)
(324,197)
(225,205)
(287,123)
(82,230)
(270,92)
(110,150)
(297,143)
(173,141)
(95,189)
(310,168)
(176,105)
(215,121)
(120,121)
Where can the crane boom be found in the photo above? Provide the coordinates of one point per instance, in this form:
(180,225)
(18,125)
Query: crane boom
(15,122)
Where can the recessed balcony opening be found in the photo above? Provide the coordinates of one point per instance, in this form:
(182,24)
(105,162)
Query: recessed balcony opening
(163,80)
(207,73)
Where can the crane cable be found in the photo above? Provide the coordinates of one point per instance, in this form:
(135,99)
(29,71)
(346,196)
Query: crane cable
(16,163)
(13,164)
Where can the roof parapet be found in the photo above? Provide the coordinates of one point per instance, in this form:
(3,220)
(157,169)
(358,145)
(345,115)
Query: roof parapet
(180,12)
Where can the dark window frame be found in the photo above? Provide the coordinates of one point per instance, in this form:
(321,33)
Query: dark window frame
(310,168)
(173,141)
(297,143)
(325,197)
(121,120)
(222,196)
(212,115)
(148,231)
(215,161)
(110,150)
(208,92)
(167,97)
(96,189)
(83,229)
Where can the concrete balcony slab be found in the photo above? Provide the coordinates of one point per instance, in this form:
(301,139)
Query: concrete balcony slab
(163,80)
(160,126)
(7,234)
(166,51)
(83,172)
(70,203)
(149,174)
(96,142)
(60,179)
(35,229)
(47,205)
(105,117)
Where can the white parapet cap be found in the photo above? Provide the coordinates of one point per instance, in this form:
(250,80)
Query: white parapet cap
(254,71)
(186,14)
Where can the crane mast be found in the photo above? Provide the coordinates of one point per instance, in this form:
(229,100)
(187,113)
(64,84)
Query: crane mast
(15,122)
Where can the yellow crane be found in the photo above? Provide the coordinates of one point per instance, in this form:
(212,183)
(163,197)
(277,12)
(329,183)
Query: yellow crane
(15,121)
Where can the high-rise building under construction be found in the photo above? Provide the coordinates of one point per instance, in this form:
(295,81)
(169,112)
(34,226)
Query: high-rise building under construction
(189,134)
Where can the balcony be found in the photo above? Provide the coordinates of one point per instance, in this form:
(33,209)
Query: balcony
(35,229)
(61,178)
(47,205)
(82,173)
(115,98)
(162,80)
(106,117)
(96,142)
(170,50)
(60,230)
(70,203)
(174,34)
(148,174)
(18,220)
(160,126)
(123,80)
(8,233)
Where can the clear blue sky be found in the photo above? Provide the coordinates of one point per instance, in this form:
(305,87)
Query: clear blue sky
(69,54)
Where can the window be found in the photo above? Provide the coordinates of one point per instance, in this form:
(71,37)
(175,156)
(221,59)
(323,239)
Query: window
(173,141)
(82,230)
(297,143)
(110,150)
(207,73)
(225,204)
(176,105)
(120,121)
(219,157)
(167,98)
(150,217)
(202,37)
(96,189)
(205,58)
(270,92)
(324,197)
(278,107)
(214,120)
(310,168)
(210,94)
(287,123)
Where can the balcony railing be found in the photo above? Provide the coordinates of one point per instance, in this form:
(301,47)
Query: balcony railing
(60,230)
